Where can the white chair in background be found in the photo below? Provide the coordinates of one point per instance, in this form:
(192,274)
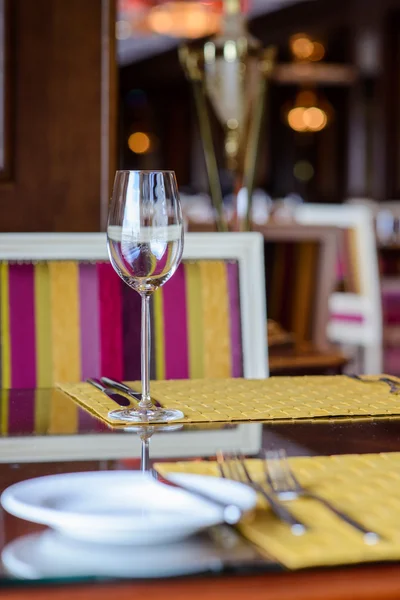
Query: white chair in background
(355,318)
(385,215)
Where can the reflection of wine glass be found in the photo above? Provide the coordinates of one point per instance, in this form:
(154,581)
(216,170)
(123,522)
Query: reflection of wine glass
(145,245)
(145,433)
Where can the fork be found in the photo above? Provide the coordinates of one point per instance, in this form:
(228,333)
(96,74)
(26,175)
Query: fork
(287,487)
(233,466)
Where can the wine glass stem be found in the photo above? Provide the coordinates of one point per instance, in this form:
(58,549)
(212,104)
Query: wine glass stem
(145,456)
(145,402)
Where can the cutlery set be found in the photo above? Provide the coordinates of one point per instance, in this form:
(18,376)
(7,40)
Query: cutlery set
(279,484)
(278,487)
(233,466)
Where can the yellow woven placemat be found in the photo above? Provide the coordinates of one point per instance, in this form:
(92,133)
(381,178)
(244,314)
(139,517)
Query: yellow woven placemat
(366,487)
(235,400)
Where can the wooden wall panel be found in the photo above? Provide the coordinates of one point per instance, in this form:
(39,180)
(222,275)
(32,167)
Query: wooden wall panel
(63,115)
(6,92)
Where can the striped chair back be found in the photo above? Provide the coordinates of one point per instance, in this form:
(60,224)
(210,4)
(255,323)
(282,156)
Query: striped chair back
(68,320)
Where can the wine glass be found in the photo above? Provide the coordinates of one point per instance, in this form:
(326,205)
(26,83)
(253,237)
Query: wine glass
(145,244)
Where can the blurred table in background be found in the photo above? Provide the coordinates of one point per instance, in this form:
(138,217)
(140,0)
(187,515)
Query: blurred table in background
(307,360)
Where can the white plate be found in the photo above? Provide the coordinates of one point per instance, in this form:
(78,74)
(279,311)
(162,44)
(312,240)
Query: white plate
(123,507)
(51,555)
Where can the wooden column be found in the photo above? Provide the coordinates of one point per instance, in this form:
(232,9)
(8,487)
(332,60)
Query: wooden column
(59,101)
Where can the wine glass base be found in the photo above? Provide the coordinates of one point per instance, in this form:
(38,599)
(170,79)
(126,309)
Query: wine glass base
(156,415)
(145,428)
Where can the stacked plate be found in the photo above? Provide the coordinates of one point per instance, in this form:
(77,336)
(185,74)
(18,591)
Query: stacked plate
(116,523)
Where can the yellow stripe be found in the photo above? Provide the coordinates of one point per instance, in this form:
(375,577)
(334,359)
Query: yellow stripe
(159,347)
(63,414)
(43,326)
(215,301)
(5,328)
(65,342)
(194,320)
(42,410)
(4,412)
(44,366)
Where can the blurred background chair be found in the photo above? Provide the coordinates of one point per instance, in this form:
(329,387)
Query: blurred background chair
(66,315)
(388,243)
(356,312)
(300,278)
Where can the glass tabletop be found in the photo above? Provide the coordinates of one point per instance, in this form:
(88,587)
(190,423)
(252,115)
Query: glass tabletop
(42,433)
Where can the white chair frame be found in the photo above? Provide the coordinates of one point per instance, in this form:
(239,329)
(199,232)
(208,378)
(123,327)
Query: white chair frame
(368,334)
(247,249)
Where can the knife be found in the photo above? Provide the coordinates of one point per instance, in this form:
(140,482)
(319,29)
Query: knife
(118,398)
(118,385)
(232,513)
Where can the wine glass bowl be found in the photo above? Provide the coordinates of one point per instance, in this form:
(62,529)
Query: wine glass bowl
(145,244)
(145,228)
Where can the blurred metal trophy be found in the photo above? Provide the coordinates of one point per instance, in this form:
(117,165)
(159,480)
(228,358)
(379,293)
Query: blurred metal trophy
(230,72)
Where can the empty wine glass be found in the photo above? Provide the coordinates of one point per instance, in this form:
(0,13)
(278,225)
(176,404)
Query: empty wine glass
(145,244)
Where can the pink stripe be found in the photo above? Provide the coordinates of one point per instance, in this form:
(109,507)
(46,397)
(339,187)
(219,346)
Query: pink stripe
(87,423)
(234,314)
(109,283)
(175,327)
(391,361)
(22,326)
(348,318)
(391,295)
(21,411)
(131,319)
(89,321)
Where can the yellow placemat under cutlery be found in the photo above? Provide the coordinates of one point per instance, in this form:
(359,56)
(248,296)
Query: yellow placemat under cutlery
(366,487)
(241,400)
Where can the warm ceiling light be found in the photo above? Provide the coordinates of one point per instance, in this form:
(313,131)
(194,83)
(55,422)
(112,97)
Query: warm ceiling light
(301,46)
(318,52)
(296,118)
(315,118)
(303,119)
(183,19)
(139,142)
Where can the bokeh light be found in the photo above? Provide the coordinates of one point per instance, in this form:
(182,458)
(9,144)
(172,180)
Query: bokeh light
(303,171)
(123,30)
(318,52)
(315,118)
(301,46)
(139,142)
(184,19)
(310,118)
(296,118)
(305,49)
